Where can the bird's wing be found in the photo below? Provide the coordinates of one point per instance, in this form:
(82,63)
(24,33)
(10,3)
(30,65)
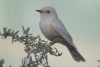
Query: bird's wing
(60,28)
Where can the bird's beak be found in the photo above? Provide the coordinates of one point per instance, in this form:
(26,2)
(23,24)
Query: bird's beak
(39,11)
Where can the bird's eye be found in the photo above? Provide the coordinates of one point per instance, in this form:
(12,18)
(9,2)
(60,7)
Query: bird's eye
(48,11)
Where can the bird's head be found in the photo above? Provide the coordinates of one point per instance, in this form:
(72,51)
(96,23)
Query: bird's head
(47,12)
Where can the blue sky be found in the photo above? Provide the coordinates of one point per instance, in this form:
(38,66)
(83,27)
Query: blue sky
(81,18)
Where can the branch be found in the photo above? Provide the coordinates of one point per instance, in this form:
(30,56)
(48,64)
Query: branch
(33,45)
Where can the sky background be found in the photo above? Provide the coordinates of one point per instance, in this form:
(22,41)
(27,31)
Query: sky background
(80,17)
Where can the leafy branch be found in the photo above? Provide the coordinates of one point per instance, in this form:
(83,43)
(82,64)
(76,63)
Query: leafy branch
(33,45)
(2,62)
(98,61)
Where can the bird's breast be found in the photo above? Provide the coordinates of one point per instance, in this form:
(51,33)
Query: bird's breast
(48,31)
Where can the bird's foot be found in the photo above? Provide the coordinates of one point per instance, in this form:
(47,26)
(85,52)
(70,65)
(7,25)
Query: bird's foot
(57,40)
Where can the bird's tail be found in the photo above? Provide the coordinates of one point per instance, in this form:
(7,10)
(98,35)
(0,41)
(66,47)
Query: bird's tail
(76,55)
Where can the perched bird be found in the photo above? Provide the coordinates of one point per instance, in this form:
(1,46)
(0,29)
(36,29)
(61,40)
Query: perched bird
(52,28)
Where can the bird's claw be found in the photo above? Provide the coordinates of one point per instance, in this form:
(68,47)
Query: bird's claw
(57,40)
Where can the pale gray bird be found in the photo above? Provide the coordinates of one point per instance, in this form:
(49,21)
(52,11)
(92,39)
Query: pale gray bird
(52,28)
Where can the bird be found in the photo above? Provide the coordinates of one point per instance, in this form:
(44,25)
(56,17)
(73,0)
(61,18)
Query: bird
(52,27)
